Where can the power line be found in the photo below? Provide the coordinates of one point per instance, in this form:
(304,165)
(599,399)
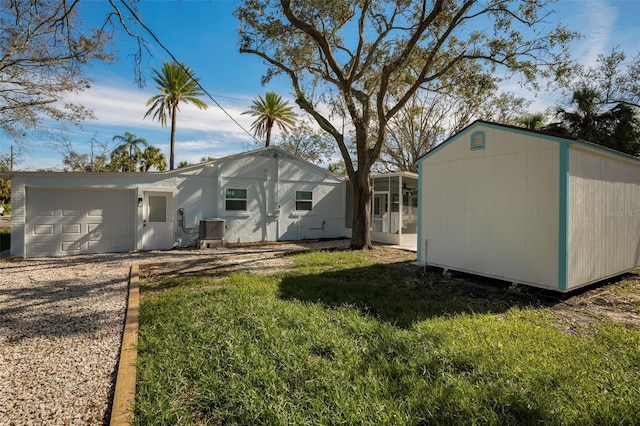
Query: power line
(163,47)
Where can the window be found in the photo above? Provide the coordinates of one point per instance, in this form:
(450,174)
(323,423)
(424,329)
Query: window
(157,208)
(235,199)
(477,141)
(304,200)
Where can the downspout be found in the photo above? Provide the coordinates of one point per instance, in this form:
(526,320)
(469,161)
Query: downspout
(266,204)
(277,199)
(421,255)
(400,209)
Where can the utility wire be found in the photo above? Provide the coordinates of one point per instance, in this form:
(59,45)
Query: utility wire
(163,47)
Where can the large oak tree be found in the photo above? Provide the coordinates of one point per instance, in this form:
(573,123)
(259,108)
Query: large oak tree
(44,49)
(367,58)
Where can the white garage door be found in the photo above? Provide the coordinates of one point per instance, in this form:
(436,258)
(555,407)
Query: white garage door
(69,221)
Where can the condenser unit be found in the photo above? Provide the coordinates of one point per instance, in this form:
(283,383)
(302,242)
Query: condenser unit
(211,233)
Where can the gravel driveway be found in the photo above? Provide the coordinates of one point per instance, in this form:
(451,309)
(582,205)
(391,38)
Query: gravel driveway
(61,321)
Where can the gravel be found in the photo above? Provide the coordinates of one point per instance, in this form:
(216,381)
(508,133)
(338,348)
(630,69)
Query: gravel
(61,323)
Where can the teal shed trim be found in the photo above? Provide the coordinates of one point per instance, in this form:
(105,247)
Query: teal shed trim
(419,227)
(528,132)
(563,217)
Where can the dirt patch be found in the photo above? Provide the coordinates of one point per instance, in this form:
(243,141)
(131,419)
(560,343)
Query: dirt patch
(613,301)
(255,258)
(616,301)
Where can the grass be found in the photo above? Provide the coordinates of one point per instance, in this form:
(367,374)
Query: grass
(343,339)
(5,238)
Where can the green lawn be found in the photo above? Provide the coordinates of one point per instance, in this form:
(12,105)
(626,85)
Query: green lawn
(343,339)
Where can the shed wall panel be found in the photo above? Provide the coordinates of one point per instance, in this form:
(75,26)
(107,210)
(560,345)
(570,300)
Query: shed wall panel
(493,211)
(604,216)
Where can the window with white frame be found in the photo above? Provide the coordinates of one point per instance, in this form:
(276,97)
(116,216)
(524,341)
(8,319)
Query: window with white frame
(304,200)
(235,199)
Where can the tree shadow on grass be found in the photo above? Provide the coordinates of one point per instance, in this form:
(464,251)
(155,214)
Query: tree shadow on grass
(402,293)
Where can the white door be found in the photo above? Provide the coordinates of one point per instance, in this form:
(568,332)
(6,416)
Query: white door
(157,224)
(77,221)
(380,222)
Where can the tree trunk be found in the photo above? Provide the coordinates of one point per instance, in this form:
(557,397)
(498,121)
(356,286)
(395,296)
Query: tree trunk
(267,142)
(173,136)
(362,191)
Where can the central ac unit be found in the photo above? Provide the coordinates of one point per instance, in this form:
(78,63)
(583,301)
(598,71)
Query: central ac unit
(212,229)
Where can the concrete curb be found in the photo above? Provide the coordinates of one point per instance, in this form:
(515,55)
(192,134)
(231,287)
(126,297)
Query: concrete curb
(125,392)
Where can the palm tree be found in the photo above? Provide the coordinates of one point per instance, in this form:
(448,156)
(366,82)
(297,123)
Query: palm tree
(120,160)
(128,153)
(617,127)
(532,121)
(586,120)
(270,110)
(176,84)
(153,157)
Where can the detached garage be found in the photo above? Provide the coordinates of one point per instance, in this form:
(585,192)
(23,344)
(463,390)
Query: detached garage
(528,208)
(76,221)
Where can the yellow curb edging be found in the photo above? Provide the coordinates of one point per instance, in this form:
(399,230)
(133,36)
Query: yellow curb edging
(11,258)
(125,392)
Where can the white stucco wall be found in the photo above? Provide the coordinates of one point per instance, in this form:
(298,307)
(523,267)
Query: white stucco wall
(492,211)
(271,183)
(271,178)
(18,211)
(184,184)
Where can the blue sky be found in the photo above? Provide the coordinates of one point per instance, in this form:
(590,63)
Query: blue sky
(202,33)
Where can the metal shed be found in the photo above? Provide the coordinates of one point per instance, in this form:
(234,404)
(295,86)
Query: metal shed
(529,208)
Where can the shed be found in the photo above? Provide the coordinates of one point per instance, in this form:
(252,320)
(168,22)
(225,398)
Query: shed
(262,195)
(529,208)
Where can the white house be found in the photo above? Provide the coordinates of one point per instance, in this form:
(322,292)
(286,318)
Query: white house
(530,208)
(262,195)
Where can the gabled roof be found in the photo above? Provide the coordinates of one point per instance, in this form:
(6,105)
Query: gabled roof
(546,135)
(276,152)
(272,151)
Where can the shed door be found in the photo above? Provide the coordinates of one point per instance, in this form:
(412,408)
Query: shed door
(71,221)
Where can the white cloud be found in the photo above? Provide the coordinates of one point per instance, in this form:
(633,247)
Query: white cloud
(121,107)
(596,21)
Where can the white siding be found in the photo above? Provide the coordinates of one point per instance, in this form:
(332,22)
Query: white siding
(493,211)
(604,216)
